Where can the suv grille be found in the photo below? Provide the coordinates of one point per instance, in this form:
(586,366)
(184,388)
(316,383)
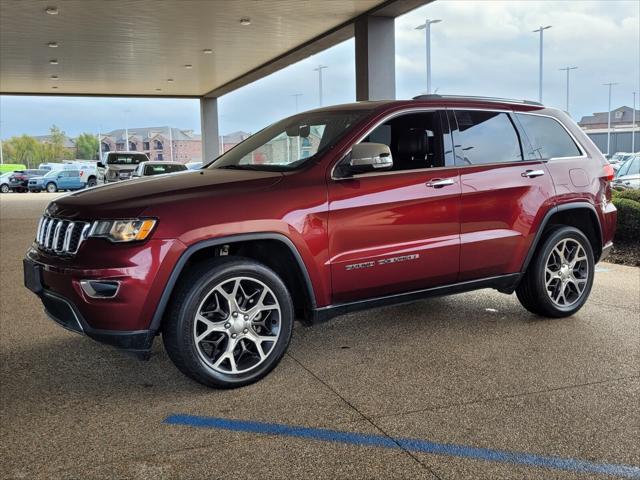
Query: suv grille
(62,237)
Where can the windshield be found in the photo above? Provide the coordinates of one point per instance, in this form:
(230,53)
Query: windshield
(52,173)
(125,159)
(158,169)
(631,167)
(290,143)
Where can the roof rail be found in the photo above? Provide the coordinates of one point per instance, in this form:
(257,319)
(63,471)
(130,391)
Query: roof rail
(434,96)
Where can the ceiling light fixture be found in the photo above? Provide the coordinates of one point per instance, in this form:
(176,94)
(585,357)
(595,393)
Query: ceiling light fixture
(53,44)
(51,10)
(54,86)
(207,51)
(188,66)
(158,89)
(54,77)
(170,80)
(53,61)
(245,21)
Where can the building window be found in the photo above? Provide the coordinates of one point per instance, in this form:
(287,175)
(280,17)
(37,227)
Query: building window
(619,115)
(160,156)
(132,146)
(145,145)
(105,147)
(157,144)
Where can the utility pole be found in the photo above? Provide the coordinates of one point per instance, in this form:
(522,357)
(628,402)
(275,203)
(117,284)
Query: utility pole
(426,26)
(567,69)
(99,144)
(171,142)
(319,70)
(541,30)
(633,126)
(296,96)
(610,84)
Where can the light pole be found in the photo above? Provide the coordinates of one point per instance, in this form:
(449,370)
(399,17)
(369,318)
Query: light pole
(319,70)
(426,26)
(296,96)
(633,125)
(541,30)
(567,69)
(610,84)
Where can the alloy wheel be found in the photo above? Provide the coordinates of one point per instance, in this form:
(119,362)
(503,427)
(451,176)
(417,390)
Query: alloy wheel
(237,325)
(566,273)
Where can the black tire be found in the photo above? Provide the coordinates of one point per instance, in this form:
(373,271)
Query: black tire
(4,188)
(194,288)
(532,291)
(92,182)
(51,187)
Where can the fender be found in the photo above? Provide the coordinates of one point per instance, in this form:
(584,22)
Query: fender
(188,253)
(552,211)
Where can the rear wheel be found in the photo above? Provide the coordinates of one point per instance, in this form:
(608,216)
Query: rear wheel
(4,188)
(560,276)
(92,182)
(51,187)
(229,323)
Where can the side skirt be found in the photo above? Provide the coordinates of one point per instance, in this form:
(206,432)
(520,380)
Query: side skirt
(503,283)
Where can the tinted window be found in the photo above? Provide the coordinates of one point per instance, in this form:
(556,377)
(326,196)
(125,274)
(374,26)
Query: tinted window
(73,173)
(415,140)
(166,168)
(548,138)
(630,167)
(125,159)
(485,137)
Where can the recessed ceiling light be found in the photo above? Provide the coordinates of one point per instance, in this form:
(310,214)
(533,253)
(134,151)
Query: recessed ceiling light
(53,61)
(53,44)
(54,87)
(188,66)
(170,80)
(245,21)
(158,89)
(207,51)
(54,77)
(51,10)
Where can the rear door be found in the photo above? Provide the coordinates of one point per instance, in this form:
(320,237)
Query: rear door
(397,230)
(504,196)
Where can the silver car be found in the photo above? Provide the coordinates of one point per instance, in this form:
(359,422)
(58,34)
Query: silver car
(121,165)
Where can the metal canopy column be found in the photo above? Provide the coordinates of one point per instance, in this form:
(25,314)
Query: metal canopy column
(375,58)
(209,124)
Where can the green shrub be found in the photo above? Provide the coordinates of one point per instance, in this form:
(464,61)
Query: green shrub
(628,216)
(631,194)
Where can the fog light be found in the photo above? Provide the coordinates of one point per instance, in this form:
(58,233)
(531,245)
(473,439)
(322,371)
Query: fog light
(100,288)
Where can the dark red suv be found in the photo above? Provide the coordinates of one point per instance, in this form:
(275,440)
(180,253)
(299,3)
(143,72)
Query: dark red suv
(326,212)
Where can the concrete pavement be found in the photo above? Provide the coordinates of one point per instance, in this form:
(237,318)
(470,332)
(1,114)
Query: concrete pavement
(474,369)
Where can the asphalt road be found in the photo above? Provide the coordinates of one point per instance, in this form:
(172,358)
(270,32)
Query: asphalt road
(467,377)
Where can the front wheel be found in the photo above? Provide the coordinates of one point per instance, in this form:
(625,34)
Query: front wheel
(51,188)
(229,323)
(4,188)
(559,279)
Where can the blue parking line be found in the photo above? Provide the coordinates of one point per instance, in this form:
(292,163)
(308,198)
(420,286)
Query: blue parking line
(410,444)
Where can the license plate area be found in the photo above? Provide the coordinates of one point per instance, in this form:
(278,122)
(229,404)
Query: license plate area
(32,276)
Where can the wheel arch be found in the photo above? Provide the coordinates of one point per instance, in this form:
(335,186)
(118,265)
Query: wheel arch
(581,215)
(250,246)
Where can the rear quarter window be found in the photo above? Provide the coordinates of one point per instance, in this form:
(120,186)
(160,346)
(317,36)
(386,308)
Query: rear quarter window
(548,138)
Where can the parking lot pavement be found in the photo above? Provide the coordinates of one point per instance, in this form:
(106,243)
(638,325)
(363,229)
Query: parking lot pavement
(472,373)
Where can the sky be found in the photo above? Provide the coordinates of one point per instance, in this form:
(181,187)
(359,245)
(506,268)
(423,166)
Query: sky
(479,48)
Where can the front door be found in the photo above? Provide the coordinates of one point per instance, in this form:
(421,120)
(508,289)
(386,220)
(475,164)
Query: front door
(397,230)
(504,195)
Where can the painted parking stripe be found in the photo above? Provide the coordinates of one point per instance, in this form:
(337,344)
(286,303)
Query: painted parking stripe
(411,444)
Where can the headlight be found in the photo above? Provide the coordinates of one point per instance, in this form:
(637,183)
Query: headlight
(123,230)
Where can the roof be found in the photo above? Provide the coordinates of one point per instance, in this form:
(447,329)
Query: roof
(68,142)
(148,133)
(132,47)
(600,118)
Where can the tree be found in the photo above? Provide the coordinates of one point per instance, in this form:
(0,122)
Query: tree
(87,146)
(54,149)
(23,149)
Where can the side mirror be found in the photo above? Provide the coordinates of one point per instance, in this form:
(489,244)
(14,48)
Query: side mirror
(100,165)
(367,157)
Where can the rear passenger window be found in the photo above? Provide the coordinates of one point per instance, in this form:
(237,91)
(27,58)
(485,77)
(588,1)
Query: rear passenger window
(485,137)
(547,137)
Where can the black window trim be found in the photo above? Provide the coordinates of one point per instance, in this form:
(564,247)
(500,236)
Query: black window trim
(571,135)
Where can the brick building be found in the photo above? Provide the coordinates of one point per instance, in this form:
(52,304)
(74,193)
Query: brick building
(159,143)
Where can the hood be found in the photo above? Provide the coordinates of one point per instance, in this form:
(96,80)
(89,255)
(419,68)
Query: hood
(129,198)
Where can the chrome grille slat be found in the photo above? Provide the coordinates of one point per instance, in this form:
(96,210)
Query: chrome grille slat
(61,236)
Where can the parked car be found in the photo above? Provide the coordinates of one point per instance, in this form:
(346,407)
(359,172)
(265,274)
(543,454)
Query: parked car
(19,180)
(628,175)
(121,165)
(147,169)
(327,212)
(90,173)
(194,165)
(4,182)
(55,180)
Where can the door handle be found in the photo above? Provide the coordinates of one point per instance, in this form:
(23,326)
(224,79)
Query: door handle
(439,183)
(532,173)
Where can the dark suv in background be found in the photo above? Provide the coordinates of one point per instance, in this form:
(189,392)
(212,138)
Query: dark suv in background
(327,212)
(19,181)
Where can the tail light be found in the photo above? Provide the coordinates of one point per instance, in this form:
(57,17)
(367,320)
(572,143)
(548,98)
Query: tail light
(608,173)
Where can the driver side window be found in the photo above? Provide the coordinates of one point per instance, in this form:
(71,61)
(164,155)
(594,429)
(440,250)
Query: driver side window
(415,140)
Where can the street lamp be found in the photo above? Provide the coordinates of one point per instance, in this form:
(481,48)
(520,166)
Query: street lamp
(426,26)
(610,84)
(541,30)
(319,70)
(633,125)
(296,96)
(567,69)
